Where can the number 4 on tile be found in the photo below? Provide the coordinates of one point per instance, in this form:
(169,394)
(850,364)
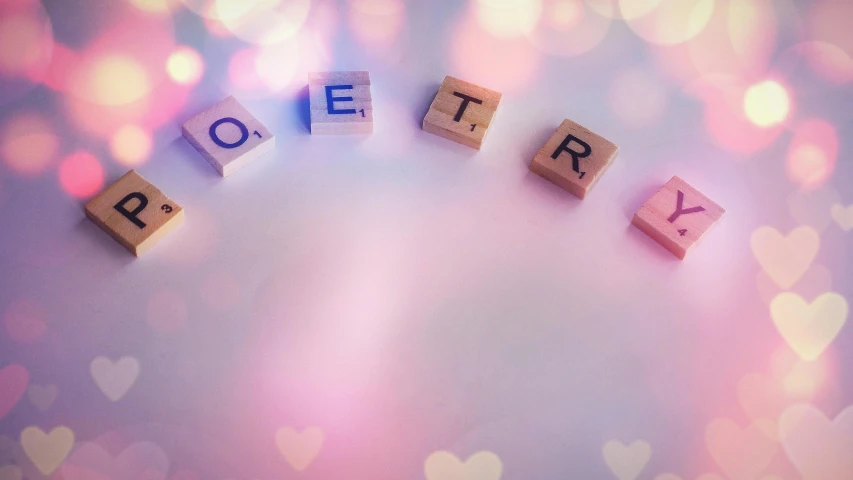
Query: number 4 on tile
(674,210)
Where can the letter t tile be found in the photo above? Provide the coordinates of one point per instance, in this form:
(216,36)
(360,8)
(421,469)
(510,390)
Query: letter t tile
(462,112)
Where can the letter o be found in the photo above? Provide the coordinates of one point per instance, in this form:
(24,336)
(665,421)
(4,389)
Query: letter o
(244,132)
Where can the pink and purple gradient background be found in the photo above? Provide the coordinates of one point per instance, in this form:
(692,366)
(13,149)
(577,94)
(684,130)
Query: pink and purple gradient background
(400,292)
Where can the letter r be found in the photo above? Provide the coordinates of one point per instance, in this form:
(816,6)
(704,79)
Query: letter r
(576,156)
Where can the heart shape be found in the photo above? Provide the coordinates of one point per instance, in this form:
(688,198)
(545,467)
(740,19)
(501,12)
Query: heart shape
(114,379)
(626,461)
(42,396)
(816,280)
(843,216)
(479,466)
(47,450)
(742,453)
(299,449)
(13,384)
(11,472)
(785,258)
(140,460)
(809,328)
(817,446)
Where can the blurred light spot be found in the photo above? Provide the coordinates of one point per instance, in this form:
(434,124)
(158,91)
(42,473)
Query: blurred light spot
(130,145)
(166,312)
(377,22)
(807,163)
(729,126)
(263,22)
(752,28)
(630,9)
(828,60)
(498,63)
(220,291)
(116,80)
(215,27)
(21,44)
(812,153)
(24,320)
(637,98)
(568,27)
(671,21)
(149,112)
(125,63)
(26,46)
(156,6)
(507,18)
(205,8)
(81,175)
(28,144)
(276,64)
(731,47)
(566,14)
(185,66)
(766,103)
(63,67)
(828,26)
(242,69)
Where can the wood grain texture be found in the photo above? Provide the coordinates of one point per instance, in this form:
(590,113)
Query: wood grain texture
(153,221)
(236,147)
(677,228)
(356,98)
(561,171)
(471,126)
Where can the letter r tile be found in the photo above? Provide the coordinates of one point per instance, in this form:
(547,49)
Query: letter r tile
(340,102)
(228,136)
(134,212)
(677,216)
(574,158)
(462,112)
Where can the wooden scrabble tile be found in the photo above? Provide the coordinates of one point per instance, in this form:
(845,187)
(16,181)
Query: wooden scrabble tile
(677,216)
(340,103)
(462,112)
(574,158)
(228,136)
(134,212)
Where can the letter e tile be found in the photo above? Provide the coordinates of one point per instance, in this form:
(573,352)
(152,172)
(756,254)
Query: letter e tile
(341,103)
